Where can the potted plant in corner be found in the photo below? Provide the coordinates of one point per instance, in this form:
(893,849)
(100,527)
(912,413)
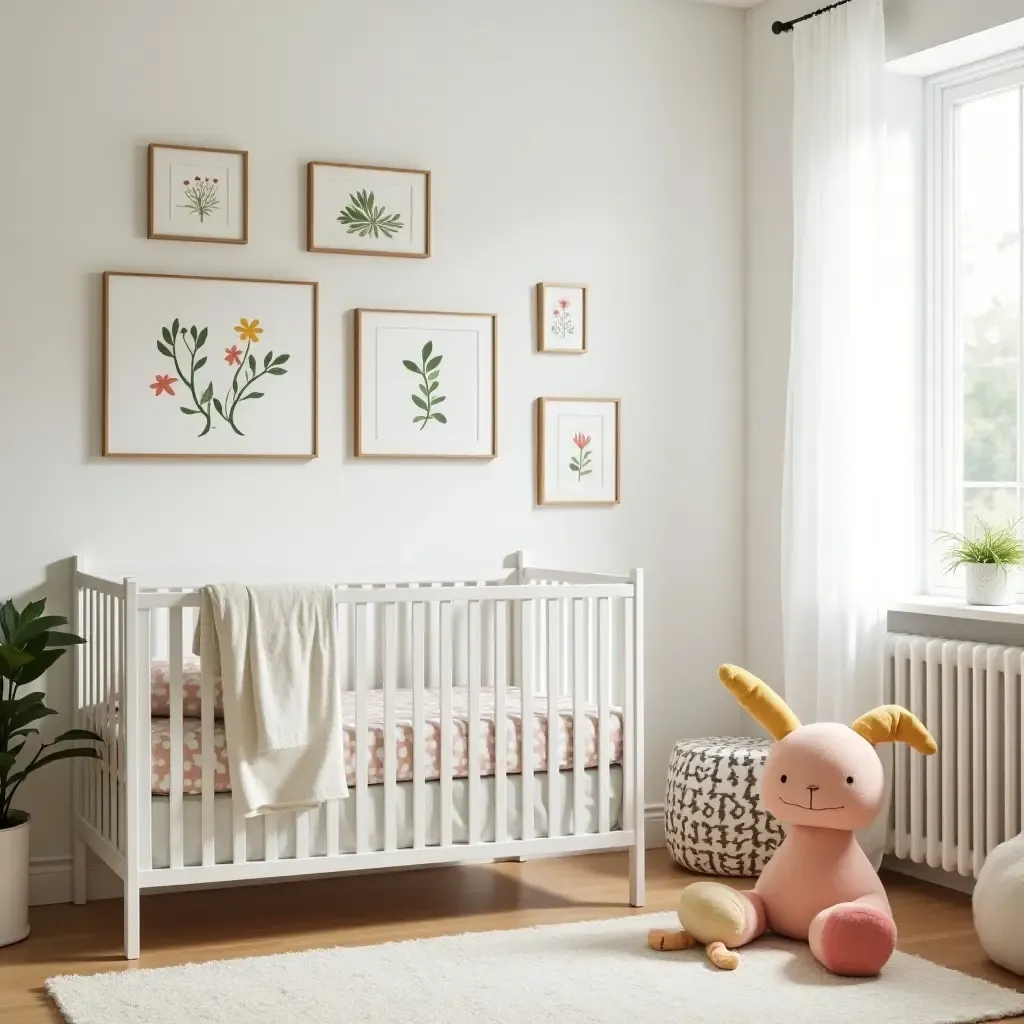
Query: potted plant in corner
(29,645)
(990,560)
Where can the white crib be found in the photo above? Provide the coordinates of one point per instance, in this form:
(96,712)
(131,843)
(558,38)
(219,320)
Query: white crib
(431,671)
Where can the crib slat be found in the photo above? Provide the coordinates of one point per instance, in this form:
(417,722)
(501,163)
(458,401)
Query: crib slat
(239,851)
(359,643)
(390,746)
(331,827)
(302,834)
(105,709)
(419,809)
(605,654)
(554,724)
(206,714)
(270,834)
(144,746)
(90,696)
(500,663)
(117,682)
(624,672)
(580,723)
(528,631)
(175,807)
(474,745)
(447,732)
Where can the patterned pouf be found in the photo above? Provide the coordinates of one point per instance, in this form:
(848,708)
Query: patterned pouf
(714,821)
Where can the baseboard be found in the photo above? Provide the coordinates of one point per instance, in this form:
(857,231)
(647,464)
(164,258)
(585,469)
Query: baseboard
(947,879)
(50,881)
(654,826)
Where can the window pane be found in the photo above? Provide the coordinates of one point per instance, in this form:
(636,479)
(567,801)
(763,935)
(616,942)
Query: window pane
(988,268)
(996,506)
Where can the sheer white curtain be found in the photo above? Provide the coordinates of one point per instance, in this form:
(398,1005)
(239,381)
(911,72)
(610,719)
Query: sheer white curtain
(847,491)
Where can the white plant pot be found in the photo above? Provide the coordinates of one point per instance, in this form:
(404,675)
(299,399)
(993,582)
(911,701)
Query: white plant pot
(14,884)
(990,584)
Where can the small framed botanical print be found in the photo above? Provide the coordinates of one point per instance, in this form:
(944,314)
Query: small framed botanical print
(578,451)
(198,194)
(425,384)
(204,367)
(367,211)
(562,318)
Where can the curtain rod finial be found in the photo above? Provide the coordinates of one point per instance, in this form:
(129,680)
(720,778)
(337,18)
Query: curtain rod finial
(778,28)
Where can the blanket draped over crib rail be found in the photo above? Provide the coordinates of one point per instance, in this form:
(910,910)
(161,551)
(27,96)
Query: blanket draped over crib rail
(275,651)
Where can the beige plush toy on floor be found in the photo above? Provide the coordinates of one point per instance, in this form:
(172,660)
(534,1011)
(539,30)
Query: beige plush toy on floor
(823,782)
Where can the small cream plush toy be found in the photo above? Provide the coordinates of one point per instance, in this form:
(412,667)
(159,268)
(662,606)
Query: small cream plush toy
(823,782)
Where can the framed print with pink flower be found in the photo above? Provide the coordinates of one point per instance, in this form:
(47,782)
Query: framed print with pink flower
(578,451)
(209,367)
(198,194)
(562,318)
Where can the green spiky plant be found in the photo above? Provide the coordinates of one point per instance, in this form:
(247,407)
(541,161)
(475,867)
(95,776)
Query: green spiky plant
(363,217)
(31,644)
(989,547)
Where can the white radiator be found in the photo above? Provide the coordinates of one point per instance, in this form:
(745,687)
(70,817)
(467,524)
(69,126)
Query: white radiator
(949,810)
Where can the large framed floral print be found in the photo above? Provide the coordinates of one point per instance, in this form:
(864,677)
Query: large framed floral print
(198,367)
(578,451)
(198,194)
(425,384)
(359,210)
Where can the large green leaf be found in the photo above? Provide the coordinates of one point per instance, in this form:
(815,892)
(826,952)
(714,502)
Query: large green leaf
(192,412)
(282,359)
(26,716)
(207,394)
(410,365)
(252,394)
(39,665)
(437,399)
(427,349)
(11,658)
(440,417)
(252,364)
(434,363)
(200,363)
(57,755)
(277,370)
(174,328)
(32,610)
(201,340)
(268,358)
(164,350)
(420,404)
(168,338)
(78,734)
(27,630)
(8,619)
(55,639)
(6,762)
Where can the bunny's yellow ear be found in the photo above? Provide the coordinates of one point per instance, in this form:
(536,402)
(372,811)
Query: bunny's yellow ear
(759,700)
(893,724)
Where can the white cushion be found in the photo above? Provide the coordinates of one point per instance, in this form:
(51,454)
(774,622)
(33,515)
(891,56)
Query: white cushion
(999,905)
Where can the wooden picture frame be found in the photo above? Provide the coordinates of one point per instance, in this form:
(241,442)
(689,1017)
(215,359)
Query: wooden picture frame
(343,216)
(390,399)
(229,206)
(154,322)
(563,318)
(580,416)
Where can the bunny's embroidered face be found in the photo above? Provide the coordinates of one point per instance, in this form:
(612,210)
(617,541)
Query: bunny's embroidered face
(825,776)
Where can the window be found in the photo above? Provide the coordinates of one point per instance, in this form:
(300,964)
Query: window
(975,393)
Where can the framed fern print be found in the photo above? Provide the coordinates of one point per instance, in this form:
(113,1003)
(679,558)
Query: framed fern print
(208,367)
(562,318)
(367,211)
(425,384)
(578,451)
(198,194)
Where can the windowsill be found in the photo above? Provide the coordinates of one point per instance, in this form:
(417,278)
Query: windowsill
(958,608)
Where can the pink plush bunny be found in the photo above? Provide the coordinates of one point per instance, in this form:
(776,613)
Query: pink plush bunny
(822,782)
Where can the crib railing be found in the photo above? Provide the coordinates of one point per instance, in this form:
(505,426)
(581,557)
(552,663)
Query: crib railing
(562,640)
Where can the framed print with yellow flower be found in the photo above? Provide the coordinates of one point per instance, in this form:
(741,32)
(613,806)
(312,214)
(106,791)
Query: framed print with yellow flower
(562,318)
(209,367)
(578,451)
(198,194)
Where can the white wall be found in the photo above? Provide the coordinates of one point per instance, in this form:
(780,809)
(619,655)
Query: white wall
(911,26)
(595,140)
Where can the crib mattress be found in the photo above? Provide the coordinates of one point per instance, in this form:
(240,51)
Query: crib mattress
(506,738)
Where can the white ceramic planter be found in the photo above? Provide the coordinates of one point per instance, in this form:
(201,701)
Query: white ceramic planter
(14,884)
(990,584)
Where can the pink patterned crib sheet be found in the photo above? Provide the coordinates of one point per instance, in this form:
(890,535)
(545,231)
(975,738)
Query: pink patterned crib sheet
(194,753)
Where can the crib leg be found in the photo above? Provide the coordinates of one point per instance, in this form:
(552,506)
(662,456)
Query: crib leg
(636,872)
(132,921)
(78,872)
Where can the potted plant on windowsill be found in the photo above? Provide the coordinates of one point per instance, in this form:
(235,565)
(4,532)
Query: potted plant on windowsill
(990,560)
(29,644)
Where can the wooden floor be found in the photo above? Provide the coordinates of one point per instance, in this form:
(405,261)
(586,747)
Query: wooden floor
(356,910)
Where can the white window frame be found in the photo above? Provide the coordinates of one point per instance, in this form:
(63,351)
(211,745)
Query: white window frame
(943,443)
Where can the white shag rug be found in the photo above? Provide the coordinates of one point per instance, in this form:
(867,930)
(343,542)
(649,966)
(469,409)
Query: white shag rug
(594,972)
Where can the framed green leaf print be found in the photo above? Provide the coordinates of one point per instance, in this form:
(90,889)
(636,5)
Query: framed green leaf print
(425,384)
(360,210)
(578,443)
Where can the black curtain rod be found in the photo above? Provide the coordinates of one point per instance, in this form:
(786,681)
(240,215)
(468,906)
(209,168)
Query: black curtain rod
(787,26)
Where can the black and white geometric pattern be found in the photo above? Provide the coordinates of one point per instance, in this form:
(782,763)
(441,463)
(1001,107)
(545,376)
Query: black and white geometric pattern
(714,821)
